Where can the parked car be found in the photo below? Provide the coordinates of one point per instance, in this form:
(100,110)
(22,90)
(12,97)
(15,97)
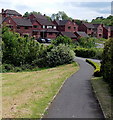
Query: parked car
(48,40)
(41,40)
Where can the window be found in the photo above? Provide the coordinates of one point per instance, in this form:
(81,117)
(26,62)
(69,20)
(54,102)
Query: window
(43,26)
(18,27)
(89,28)
(54,27)
(26,27)
(49,26)
(9,21)
(35,26)
(100,35)
(69,27)
(100,29)
(74,28)
(50,33)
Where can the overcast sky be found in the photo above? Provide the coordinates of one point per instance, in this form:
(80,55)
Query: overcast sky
(77,9)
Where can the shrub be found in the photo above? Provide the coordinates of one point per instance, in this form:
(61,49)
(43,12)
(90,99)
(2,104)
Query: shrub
(85,52)
(58,55)
(62,40)
(7,67)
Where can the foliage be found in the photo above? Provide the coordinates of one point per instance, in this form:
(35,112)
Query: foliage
(26,14)
(85,52)
(107,62)
(60,15)
(96,65)
(18,50)
(106,21)
(62,40)
(58,55)
(87,42)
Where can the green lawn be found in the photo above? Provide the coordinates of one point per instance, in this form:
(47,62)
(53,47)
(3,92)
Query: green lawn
(27,94)
(102,92)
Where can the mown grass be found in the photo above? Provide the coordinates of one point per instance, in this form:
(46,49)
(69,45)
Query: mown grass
(27,94)
(102,92)
(101,89)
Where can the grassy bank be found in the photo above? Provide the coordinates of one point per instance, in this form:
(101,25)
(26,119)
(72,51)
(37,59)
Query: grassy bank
(27,94)
(102,92)
(101,89)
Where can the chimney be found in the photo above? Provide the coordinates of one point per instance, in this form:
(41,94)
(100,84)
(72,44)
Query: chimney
(2,10)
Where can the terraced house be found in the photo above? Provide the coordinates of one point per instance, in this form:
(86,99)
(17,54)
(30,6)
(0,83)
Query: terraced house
(39,26)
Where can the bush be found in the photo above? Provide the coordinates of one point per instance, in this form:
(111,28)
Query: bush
(58,55)
(62,40)
(85,52)
(7,67)
(107,62)
(96,66)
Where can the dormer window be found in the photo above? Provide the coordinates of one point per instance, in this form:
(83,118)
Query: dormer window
(54,27)
(49,26)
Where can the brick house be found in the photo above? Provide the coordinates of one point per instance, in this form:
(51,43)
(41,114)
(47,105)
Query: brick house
(19,25)
(98,30)
(66,25)
(110,32)
(88,28)
(106,32)
(8,12)
(42,27)
(80,34)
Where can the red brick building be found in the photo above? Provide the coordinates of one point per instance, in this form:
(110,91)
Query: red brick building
(42,27)
(88,28)
(19,25)
(98,30)
(66,25)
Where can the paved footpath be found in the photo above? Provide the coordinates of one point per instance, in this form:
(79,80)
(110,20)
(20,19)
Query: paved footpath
(76,98)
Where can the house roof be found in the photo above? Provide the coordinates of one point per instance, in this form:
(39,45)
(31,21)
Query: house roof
(12,12)
(89,25)
(61,22)
(111,27)
(82,34)
(69,34)
(42,19)
(52,30)
(96,25)
(22,21)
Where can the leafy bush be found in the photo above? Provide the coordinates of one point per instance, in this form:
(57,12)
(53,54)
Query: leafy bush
(62,40)
(96,66)
(85,52)
(58,55)
(107,62)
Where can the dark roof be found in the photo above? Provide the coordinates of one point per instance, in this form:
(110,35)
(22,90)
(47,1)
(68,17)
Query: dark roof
(82,34)
(12,12)
(69,34)
(96,25)
(22,21)
(42,19)
(106,27)
(111,27)
(52,30)
(61,22)
(89,25)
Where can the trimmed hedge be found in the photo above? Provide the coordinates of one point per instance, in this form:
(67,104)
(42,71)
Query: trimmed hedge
(96,66)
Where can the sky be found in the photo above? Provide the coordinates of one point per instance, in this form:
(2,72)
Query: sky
(77,9)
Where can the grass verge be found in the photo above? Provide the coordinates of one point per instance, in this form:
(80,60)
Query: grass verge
(102,92)
(101,89)
(27,94)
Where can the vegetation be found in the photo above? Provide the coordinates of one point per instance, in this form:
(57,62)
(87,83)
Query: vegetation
(60,15)
(62,40)
(24,53)
(106,21)
(96,66)
(27,94)
(107,63)
(101,89)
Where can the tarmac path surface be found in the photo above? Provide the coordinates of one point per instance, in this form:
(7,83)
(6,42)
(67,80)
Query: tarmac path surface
(76,98)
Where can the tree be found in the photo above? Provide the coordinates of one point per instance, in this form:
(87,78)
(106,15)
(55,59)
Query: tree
(61,15)
(28,13)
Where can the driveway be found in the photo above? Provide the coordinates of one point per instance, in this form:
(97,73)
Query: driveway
(76,98)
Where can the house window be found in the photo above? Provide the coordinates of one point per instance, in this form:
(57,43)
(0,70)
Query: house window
(10,26)
(43,26)
(100,35)
(74,28)
(49,26)
(69,27)
(54,27)
(50,33)
(100,29)
(26,27)
(18,27)
(35,26)
(9,21)
(89,28)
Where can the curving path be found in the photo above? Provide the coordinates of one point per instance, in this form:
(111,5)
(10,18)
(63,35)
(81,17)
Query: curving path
(76,98)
